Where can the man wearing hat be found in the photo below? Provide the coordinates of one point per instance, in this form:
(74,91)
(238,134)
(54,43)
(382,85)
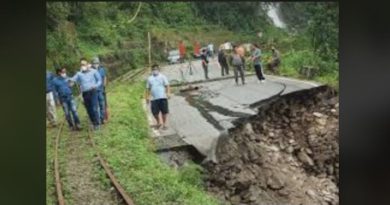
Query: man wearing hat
(275,61)
(157,94)
(101,90)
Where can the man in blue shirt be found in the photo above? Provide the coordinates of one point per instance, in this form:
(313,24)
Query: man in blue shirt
(62,87)
(205,63)
(256,58)
(101,89)
(50,104)
(157,86)
(89,81)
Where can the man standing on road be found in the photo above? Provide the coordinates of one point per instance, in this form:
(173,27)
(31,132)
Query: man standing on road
(223,62)
(237,61)
(89,81)
(205,63)
(50,104)
(275,62)
(101,91)
(210,48)
(196,49)
(255,57)
(182,51)
(63,88)
(157,87)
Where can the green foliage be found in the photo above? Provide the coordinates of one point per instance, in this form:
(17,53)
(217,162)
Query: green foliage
(86,29)
(191,173)
(50,185)
(323,27)
(129,152)
(296,15)
(293,61)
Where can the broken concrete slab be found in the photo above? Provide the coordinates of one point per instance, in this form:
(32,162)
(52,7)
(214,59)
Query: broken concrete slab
(201,116)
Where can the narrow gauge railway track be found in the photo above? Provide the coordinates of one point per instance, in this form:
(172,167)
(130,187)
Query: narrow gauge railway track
(60,195)
(119,189)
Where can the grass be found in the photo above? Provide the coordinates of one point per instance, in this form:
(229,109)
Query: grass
(126,145)
(50,187)
(99,174)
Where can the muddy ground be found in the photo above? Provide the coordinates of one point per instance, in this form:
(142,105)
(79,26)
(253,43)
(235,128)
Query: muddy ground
(287,154)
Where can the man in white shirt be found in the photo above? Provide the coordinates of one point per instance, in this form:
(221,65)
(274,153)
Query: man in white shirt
(210,48)
(157,87)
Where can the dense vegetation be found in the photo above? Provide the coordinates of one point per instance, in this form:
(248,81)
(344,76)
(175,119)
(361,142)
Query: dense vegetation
(109,30)
(317,23)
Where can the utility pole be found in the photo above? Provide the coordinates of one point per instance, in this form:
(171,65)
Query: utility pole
(150,56)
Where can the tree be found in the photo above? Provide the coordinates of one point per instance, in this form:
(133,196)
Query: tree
(323,27)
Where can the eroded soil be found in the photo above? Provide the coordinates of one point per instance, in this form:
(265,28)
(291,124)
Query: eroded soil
(287,154)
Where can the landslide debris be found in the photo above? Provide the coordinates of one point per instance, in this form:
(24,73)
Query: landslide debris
(286,154)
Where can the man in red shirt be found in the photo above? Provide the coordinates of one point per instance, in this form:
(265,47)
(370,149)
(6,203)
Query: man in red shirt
(197,48)
(182,51)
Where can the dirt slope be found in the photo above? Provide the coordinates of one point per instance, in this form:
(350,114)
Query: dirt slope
(287,154)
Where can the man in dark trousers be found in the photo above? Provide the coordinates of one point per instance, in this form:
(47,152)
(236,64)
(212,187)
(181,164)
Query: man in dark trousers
(89,80)
(255,57)
(275,62)
(223,62)
(62,86)
(205,63)
(101,89)
(238,62)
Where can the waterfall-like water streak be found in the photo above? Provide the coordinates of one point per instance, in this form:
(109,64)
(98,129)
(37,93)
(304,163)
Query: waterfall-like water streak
(272,12)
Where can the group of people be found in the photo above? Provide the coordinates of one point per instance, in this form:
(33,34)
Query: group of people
(157,85)
(91,81)
(237,60)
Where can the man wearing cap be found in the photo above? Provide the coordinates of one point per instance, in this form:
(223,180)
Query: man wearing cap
(157,87)
(275,62)
(89,81)
(101,90)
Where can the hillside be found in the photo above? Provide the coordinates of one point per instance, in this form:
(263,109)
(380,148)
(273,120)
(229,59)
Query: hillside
(117,32)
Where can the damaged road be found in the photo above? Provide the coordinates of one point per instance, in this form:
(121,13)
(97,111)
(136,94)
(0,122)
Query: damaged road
(200,116)
(286,154)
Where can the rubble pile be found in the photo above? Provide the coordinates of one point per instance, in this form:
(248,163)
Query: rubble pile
(287,154)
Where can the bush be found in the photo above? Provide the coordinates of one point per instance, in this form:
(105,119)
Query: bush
(293,61)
